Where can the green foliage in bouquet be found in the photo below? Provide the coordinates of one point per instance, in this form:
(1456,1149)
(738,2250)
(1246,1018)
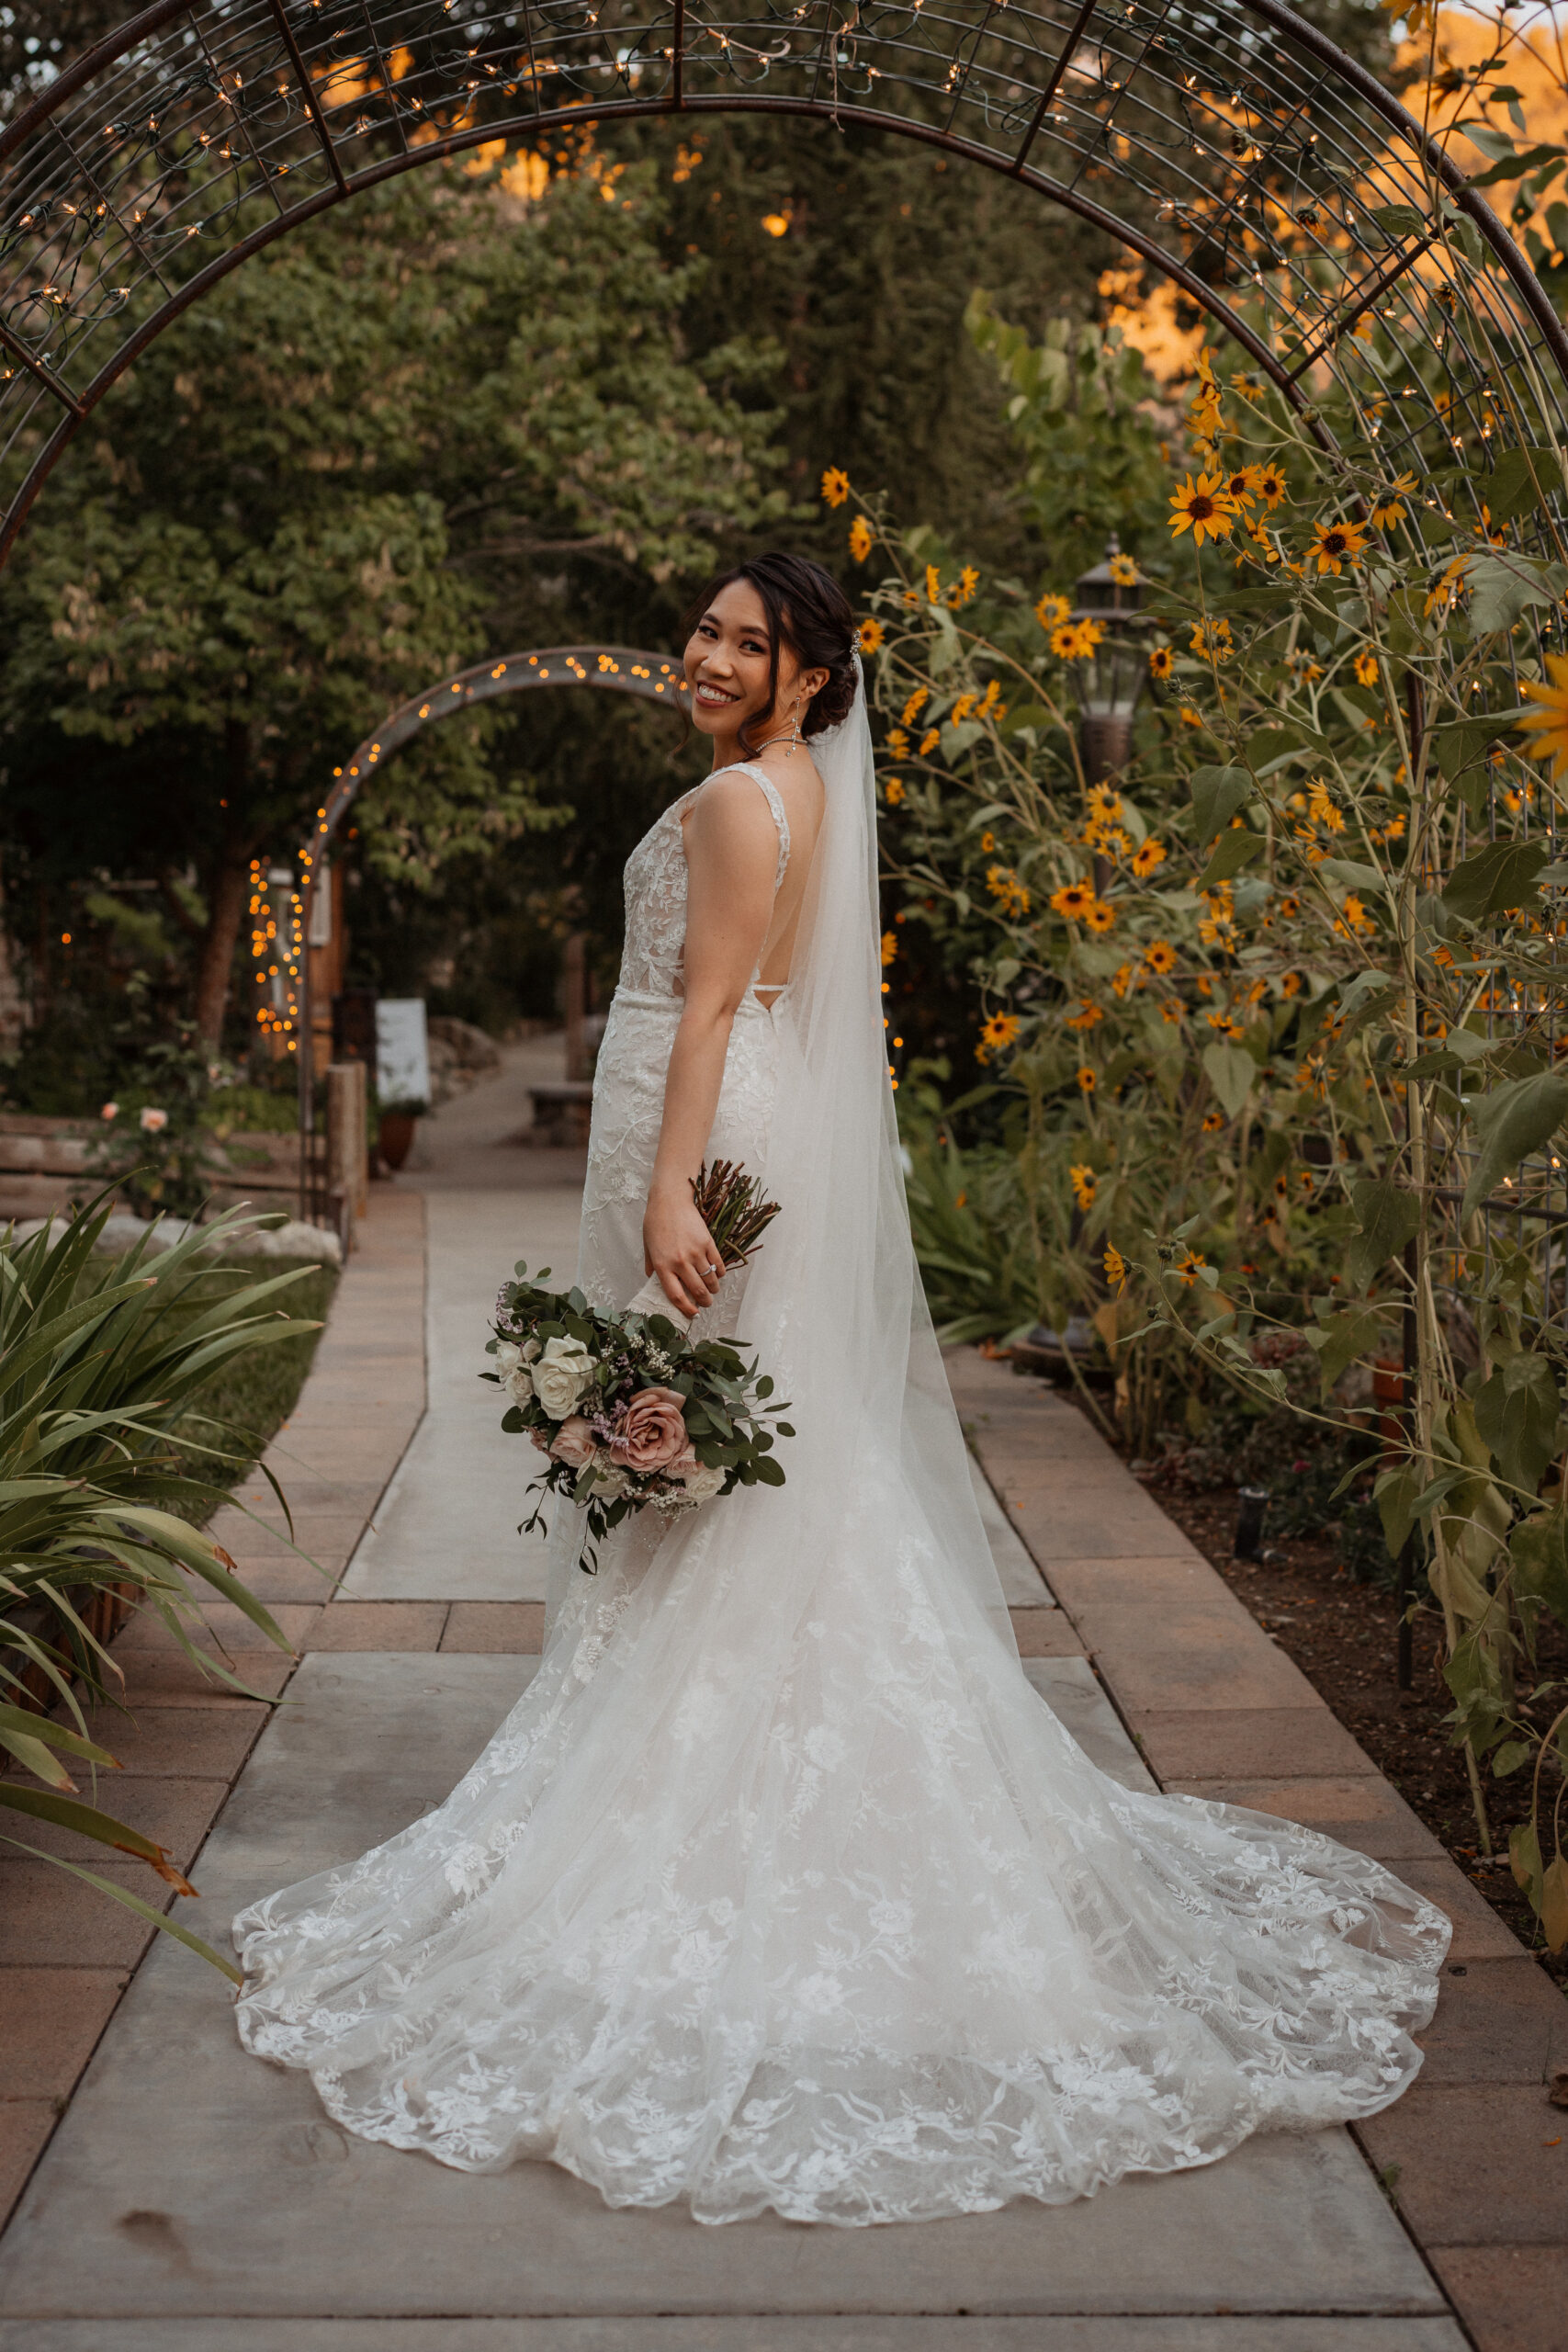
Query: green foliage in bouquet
(629,1412)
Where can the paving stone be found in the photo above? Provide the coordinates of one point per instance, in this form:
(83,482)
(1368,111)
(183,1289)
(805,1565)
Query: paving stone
(24,2127)
(1201,1661)
(282,1578)
(821,2331)
(495,1625)
(179,1742)
(1511,2298)
(1021,1582)
(1251,1743)
(379,1625)
(177,1814)
(1067,1523)
(1044,1633)
(1073,1692)
(50,2020)
(1478,2164)
(188,2179)
(167,1679)
(1500,2022)
(49,1920)
(1360,1810)
(1478,1934)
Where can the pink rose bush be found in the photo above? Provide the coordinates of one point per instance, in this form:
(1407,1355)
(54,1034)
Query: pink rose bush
(627,1412)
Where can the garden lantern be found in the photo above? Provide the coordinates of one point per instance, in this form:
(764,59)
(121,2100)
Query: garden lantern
(1112,676)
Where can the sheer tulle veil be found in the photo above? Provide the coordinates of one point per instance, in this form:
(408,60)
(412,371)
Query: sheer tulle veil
(832,1303)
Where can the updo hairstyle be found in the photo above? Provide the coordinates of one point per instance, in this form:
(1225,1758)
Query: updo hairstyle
(808,611)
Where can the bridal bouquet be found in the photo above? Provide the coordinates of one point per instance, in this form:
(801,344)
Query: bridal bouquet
(628,1414)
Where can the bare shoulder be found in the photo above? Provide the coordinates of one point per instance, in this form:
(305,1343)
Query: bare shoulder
(730,824)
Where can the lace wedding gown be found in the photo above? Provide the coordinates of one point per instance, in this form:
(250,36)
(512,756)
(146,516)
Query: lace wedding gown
(780,1886)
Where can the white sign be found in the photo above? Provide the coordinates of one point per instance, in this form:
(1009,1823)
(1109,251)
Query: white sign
(402,1059)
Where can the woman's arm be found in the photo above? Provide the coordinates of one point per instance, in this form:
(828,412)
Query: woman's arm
(732,849)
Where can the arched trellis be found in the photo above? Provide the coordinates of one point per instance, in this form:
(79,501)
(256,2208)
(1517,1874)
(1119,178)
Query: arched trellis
(1271,177)
(616,669)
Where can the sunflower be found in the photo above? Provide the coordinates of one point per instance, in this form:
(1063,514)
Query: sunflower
(1159,956)
(873,637)
(1212,641)
(929,741)
(1087,1081)
(1162,660)
(914,707)
(1188,717)
(1548,721)
(1008,890)
(893,791)
(1243,486)
(1076,640)
(889,948)
(1203,507)
(1366,667)
(1123,571)
(898,743)
(1146,859)
(862,539)
(1336,544)
(1213,1122)
(1272,486)
(1081,1178)
(835,485)
(1390,508)
(933,584)
(1086,1016)
(1249,386)
(963,588)
(1100,917)
(1115,1265)
(1074,899)
(1000,1030)
(1052,611)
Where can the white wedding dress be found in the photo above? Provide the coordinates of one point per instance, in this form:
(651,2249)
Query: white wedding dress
(780,1886)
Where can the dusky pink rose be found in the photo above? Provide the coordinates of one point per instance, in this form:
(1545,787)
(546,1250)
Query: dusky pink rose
(574,1444)
(653,1432)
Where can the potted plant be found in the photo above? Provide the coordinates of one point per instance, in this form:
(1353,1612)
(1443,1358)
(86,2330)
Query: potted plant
(395,1130)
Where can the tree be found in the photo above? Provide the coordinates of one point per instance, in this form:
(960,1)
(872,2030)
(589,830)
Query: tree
(330,483)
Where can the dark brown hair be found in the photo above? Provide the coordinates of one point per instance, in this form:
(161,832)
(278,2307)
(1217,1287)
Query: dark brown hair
(808,611)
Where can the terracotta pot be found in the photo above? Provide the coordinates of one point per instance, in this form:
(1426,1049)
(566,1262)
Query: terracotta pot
(397,1136)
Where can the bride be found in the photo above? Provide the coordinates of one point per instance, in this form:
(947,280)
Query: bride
(780,1886)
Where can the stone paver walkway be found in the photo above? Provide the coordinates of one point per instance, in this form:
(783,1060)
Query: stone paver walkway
(192,2197)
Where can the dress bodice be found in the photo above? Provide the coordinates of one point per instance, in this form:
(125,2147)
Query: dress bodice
(655,881)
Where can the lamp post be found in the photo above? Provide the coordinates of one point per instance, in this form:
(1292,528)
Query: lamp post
(1114,674)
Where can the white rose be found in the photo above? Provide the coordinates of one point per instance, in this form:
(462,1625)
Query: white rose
(519,1384)
(561,1375)
(703,1482)
(507,1357)
(530,1350)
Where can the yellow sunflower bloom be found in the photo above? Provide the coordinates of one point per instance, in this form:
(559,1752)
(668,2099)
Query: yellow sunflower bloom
(914,707)
(835,485)
(1547,723)
(1052,611)
(1081,1178)
(1115,1266)
(1159,956)
(1145,858)
(873,637)
(1073,902)
(893,791)
(1100,917)
(1000,1030)
(1212,641)
(862,539)
(1087,1081)
(1162,660)
(1336,545)
(963,588)
(933,584)
(1124,570)
(1272,486)
(889,948)
(1366,667)
(1202,507)
(1245,486)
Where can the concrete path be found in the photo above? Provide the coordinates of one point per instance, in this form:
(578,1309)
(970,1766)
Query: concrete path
(194,2200)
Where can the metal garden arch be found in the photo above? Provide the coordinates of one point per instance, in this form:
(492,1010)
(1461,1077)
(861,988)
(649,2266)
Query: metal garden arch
(1266,172)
